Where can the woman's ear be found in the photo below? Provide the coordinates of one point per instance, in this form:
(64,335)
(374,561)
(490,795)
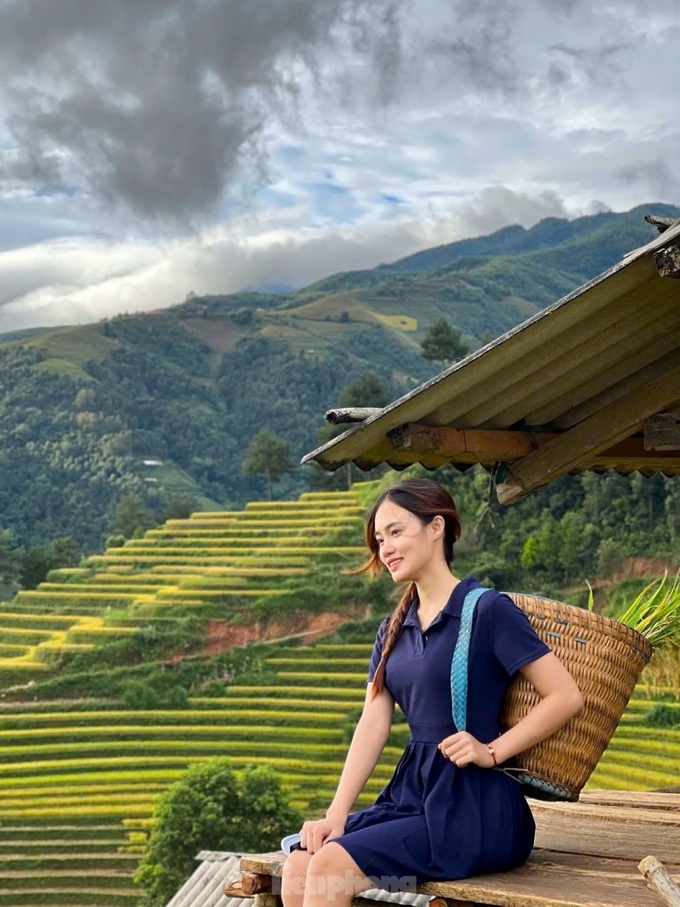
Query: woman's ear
(438,526)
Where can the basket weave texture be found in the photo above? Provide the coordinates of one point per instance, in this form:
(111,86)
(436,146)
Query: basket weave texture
(605,658)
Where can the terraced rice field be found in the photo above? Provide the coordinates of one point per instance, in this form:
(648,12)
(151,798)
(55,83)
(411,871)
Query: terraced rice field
(218,561)
(76,862)
(63,767)
(77,772)
(78,780)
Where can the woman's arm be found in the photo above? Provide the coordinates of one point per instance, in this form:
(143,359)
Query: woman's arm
(560,700)
(368,742)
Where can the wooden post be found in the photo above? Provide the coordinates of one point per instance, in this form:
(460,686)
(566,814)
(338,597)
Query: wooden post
(658,879)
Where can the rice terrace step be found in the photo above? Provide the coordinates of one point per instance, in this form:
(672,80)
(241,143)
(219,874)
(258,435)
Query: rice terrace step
(80,771)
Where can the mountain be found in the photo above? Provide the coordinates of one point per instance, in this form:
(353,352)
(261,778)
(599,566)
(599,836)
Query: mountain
(162,405)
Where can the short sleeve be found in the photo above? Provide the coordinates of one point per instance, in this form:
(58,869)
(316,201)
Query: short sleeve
(515,642)
(377,649)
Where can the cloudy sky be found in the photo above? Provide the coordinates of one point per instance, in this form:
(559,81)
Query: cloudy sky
(152,148)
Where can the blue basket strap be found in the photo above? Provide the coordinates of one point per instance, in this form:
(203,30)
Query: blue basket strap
(459,662)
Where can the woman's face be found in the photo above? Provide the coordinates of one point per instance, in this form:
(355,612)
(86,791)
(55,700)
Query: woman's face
(407,546)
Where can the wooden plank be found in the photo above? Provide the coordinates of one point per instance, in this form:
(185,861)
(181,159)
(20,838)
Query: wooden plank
(614,813)
(574,448)
(472,401)
(635,799)
(554,880)
(614,350)
(263,863)
(586,855)
(605,395)
(614,840)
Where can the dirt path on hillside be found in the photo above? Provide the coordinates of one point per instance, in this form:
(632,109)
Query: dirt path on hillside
(643,566)
(222,635)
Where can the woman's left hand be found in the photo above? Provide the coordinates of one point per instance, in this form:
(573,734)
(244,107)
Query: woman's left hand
(462,749)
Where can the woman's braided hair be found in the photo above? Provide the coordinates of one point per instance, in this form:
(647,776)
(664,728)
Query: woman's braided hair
(425,499)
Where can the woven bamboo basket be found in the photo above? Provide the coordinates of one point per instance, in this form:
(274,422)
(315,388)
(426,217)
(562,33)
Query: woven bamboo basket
(605,658)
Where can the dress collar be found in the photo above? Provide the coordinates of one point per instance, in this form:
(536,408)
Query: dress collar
(452,608)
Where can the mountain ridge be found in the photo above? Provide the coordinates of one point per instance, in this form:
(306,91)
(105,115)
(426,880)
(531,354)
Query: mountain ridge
(82,407)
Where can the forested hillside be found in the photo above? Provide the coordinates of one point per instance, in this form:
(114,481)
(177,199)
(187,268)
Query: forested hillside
(155,411)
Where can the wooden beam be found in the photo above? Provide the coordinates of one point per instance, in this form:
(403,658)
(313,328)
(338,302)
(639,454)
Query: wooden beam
(668,262)
(662,432)
(486,446)
(464,445)
(631,449)
(351,414)
(576,448)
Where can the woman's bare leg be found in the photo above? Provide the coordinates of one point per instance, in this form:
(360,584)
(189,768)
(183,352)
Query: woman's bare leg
(293,878)
(333,878)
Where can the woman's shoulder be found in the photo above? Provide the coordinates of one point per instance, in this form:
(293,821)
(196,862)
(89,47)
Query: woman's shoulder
(494,600)
(490,600)
(498,607)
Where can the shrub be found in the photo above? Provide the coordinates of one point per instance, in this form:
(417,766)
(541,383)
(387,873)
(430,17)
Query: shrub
(661,715)
(143,697)
(212,808)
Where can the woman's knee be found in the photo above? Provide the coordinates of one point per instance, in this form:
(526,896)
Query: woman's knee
(333,864)
(294,872)
(326,859)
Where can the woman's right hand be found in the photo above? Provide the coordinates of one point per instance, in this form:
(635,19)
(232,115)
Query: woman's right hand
(315,833)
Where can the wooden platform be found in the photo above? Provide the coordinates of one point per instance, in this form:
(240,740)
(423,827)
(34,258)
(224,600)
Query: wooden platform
(586,855)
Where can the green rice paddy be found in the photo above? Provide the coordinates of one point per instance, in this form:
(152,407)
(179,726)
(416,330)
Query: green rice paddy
(78,779)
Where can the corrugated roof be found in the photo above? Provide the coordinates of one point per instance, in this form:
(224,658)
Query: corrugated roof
(583,374)
(205,887)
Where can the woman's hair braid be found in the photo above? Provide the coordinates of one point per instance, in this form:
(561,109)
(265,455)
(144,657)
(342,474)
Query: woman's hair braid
(392,632)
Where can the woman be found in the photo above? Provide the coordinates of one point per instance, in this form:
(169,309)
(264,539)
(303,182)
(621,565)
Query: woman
(445,814)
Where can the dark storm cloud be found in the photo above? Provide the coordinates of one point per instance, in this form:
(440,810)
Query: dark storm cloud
(158,103)
(478,45)
(655,175)
(599,65)
(164,107)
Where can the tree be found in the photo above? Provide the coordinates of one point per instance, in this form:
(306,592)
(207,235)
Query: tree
(443,344)
(180,507)
(267,455)
(9,562)
(36,563)
(132,515)
(366,390)
(211,808)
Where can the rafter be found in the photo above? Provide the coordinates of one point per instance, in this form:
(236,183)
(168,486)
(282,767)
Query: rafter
(581,445)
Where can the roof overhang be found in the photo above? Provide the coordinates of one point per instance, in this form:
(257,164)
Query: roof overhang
(590,383)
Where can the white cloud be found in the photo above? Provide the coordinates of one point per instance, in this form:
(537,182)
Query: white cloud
(220,150)
(81,280)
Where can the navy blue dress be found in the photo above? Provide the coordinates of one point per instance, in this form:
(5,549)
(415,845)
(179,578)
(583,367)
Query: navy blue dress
(433,820)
